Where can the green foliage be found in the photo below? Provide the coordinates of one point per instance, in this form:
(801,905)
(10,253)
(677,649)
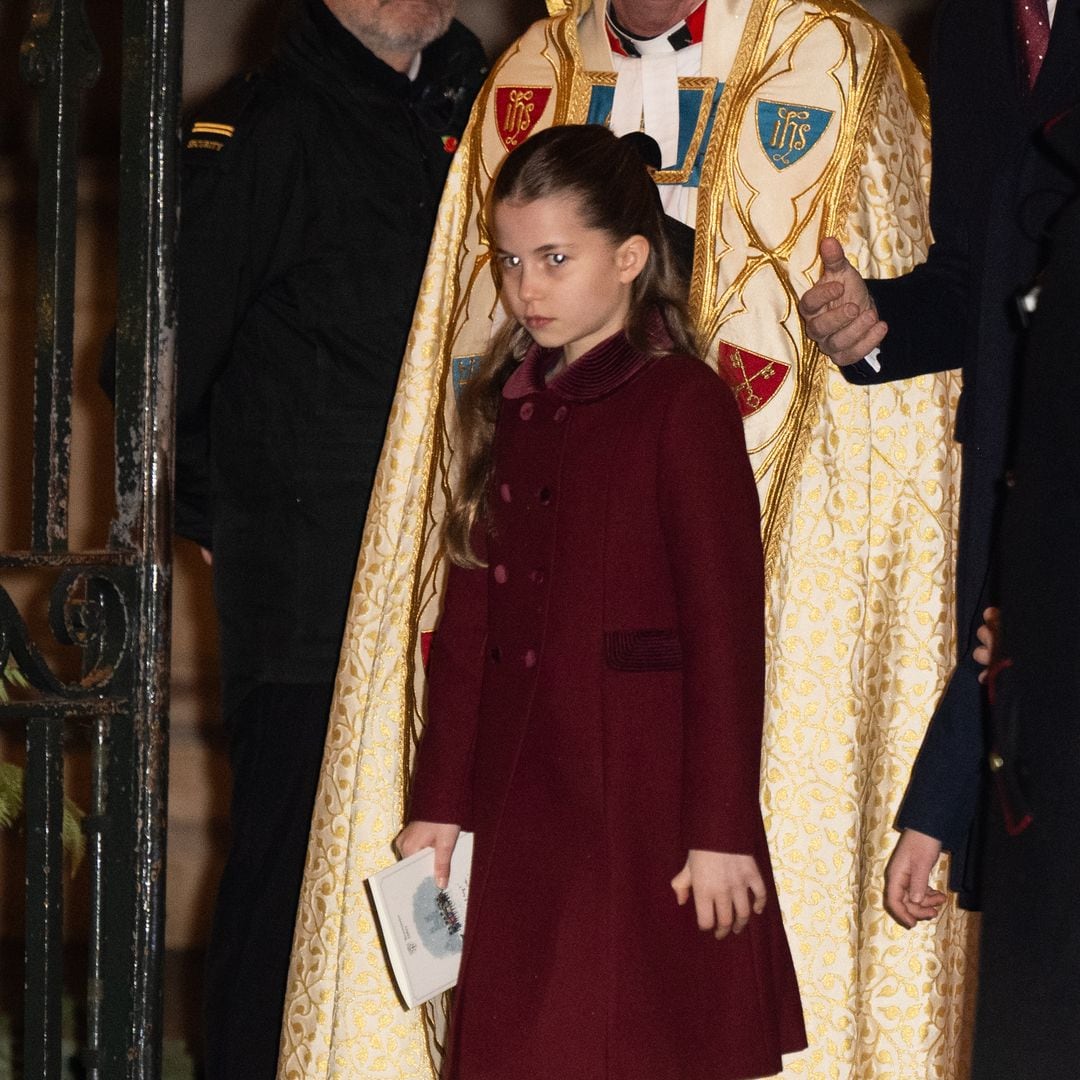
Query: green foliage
(11,784)
(11,674)
(11,794)
(11,808)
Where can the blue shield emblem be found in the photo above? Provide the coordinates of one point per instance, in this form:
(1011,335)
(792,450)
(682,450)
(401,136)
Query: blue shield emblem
(698,99)
(463,369)
(789,132)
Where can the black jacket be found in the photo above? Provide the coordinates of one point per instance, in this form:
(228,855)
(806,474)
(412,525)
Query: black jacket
(1029,962)
(308,200)
(996,190)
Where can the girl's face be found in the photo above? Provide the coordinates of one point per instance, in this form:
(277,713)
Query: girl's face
(566,283)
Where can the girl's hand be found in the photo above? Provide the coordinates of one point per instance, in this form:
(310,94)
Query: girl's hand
(418,835)
(986,652)
(726,889)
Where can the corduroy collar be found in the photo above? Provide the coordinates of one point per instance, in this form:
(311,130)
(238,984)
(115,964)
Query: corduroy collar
(600,372)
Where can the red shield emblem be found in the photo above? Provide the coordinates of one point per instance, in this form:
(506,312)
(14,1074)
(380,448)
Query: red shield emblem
(517,110)
(754,379)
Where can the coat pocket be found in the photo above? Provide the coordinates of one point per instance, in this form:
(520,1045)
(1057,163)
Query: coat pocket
(642,650)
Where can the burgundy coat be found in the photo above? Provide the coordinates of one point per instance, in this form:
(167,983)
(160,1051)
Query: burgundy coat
(595,704)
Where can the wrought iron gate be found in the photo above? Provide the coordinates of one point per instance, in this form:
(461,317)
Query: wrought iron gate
(113,604)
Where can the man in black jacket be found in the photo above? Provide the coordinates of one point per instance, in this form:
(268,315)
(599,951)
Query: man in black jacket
(994,82)
(1029,959)
(309,196)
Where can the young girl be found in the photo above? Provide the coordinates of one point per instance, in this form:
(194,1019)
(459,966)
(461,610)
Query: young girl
(596,681)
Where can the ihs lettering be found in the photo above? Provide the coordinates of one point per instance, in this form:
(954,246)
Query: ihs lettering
(789,134)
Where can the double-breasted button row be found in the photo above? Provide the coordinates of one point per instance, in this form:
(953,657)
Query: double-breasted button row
(501,575)
(543,495)
(522,586)
(528,657)
(528,411)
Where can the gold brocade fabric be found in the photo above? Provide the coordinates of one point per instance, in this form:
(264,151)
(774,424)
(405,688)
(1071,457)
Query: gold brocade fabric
(859,487)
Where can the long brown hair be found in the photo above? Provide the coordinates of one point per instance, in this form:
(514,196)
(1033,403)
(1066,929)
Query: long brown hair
(614,193)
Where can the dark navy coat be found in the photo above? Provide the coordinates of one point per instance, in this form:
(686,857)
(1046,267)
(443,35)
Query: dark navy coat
(995,191)
(1029,961)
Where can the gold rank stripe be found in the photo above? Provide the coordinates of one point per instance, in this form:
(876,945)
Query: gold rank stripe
(205,127)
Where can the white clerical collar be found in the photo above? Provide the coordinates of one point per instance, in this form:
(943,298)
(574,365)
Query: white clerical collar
(414,67)
(647,84)
(682,35)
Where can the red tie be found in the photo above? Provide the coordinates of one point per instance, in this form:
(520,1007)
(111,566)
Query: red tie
(1033,34)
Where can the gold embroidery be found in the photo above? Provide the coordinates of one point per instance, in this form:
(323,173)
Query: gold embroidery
(858,611)
(583,102)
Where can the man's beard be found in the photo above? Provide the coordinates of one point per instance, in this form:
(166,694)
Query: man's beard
(407,26)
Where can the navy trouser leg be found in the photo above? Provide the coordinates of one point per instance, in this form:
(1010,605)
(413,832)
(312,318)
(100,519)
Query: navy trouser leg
(276,744)
(1028,1022)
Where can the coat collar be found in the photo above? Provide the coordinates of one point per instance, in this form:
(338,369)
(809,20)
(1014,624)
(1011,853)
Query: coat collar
(600,372)
(450,72)
(322,47)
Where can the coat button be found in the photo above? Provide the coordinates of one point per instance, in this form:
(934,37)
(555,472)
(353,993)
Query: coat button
(1010,478)
(526,410)
(544,495)
(500,574)
(537,576)
(561,414)
(504,492)
(495,653)
(530,658)
(997,762)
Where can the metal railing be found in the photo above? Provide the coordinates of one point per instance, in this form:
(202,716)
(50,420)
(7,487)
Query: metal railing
(111,604)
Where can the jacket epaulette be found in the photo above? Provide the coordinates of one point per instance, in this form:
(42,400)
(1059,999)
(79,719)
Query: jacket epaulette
(216,125)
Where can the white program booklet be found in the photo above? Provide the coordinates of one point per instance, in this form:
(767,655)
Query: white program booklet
(423,926)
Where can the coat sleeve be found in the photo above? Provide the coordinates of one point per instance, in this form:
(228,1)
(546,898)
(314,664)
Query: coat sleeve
(927,309)
(711,521)
(239,209)
(942,796)
(442,777)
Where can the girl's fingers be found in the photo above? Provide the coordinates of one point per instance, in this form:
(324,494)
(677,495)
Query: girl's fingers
(706,914)
(681,884)
(724,914)
(741,900)
(761,895)
(443,853)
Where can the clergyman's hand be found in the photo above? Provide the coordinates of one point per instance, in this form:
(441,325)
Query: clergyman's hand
(838,311)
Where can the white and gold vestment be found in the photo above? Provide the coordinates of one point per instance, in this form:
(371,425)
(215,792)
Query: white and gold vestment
(806,120)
